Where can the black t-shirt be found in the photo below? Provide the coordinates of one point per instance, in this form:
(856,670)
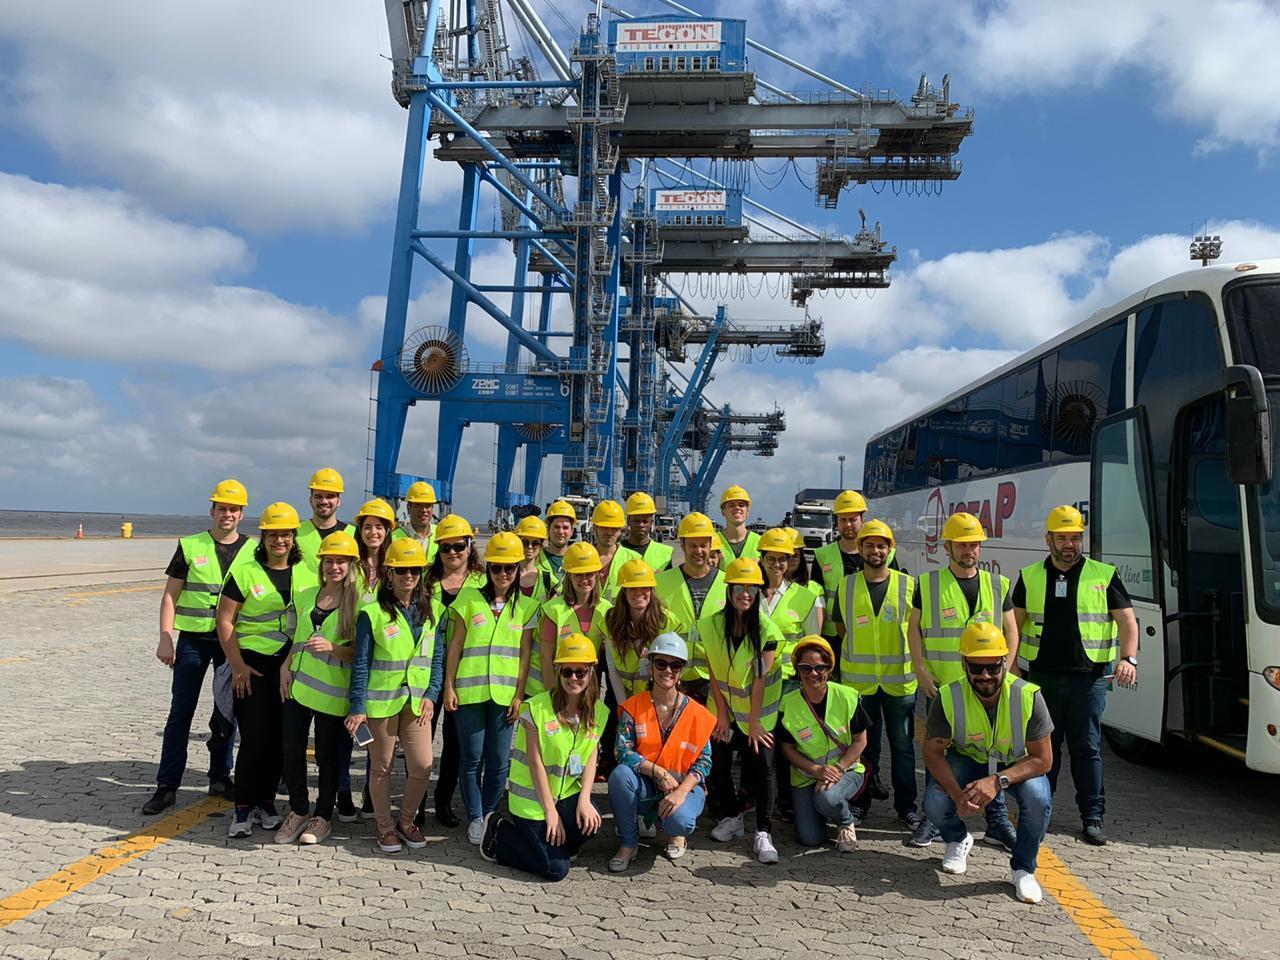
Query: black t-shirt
(325,531)
(857,723)
(319,615)
(852,564)
(699,588)
(1060,648)
(282,580)
(970,587)
(876,591)
(226,552)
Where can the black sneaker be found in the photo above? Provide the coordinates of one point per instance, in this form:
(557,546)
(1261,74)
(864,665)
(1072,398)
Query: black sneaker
(878,792)
(222,787)
(1094,835)
(161,800)
(347,812)
(1000,833)
(366,808)
(859,814)
(489,839)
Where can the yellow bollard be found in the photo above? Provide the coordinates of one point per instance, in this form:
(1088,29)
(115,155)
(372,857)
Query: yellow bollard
(126,530)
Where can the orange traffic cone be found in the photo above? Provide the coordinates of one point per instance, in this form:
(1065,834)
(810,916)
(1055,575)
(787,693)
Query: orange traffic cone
(80,531)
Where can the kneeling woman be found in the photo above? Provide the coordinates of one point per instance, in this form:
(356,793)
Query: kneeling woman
(664,751)
(823,733)
(554,756)
(395,676)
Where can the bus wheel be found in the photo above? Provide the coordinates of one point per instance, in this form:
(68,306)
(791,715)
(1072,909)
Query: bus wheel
(1135,749)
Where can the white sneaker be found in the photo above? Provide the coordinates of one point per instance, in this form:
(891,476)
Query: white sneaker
(728,829)
(1027,887)
(646,832)
(764,849)
(475,830)
(955,859)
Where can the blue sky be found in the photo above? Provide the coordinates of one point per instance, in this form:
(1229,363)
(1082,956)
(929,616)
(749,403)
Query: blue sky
(195,220)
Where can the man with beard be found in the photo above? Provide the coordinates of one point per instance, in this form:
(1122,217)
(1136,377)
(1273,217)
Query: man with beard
(1075,617)
(326,497)
(944,602)
(986,734)
(562,519)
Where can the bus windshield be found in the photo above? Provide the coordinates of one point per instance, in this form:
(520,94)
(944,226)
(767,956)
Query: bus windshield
(1253,311)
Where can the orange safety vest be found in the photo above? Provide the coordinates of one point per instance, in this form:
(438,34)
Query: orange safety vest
(684,743)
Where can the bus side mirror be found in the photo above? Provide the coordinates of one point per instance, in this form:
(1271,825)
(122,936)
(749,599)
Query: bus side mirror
(1249,451)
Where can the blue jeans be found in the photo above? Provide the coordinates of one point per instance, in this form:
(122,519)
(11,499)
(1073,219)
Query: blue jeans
(484,738)
(632,794)
(814,808)
(1035,805)
(1075,702)
(897,716)
(997,811)
(522,844)
(192,655)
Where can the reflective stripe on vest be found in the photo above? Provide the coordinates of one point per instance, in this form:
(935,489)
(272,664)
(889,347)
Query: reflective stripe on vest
(309,539)
(673,591)
(790,614)
(489,668)
(1098,631)
(735,678)
(831,563)
(972,733)
(265,622)
(609,584)
(195,606)
(750,548)
(874,654)
(685,741)
(944,613)
(558,742)
(320,680)
(400,672)
(810,739)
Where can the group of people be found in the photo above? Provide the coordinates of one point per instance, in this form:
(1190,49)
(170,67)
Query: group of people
(555,664)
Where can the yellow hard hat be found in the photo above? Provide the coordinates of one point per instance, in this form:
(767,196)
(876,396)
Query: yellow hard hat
(735,492)
(421,492)
(575,648)
(377,507)
(983,640)
(777,540)
(406,552)
(744,570)
(230,491)
(639,504)
(279,516)
(963,528)
(531,528)
(797,538)
(696,525)
(636,573)
(581,558)
(504,547)
(817,642)
(327,479)
(562,508)
(608,513)
(452,526)
(339,544)
(876,528)
(1064,519)
(850,501)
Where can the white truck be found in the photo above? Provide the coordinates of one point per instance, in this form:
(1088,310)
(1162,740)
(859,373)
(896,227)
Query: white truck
(815,521)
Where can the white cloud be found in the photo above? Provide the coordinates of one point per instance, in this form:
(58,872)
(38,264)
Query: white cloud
(248,111)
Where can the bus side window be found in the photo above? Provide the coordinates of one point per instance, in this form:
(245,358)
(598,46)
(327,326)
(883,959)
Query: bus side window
(1090,387)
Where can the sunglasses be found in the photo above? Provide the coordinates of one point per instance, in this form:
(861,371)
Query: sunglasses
(575,673)
(407,571)
(985,669)
(532,543)
(673,666)
(806,669)
(750,590)
(503,567)
(458,547)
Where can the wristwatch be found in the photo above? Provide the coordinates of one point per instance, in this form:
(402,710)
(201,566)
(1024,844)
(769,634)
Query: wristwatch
(1132,661)
(1003,781)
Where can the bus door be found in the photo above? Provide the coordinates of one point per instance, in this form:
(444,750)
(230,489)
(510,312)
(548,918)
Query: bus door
(1208,551)
(1123,533)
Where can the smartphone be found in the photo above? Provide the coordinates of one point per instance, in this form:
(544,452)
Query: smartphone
(364,736)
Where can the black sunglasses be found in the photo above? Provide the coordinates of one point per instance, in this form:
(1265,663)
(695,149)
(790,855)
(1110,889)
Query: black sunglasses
(574,673)
(503,567)
(674,666)
(407,571)
(458,547)
(980,669)
(808,668)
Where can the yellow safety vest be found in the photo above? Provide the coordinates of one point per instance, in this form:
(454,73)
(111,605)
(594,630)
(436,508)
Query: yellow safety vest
(810,737)
(309,539)
(266,621)
(790,615)
(674,593)
(321,681)
(1098,630)
(400,672)
(735,676)
(875,655)
(490,665)
(944,613)
(194,610)
(973,734)
(565,753)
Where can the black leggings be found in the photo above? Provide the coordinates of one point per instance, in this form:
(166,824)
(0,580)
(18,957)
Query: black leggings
(447,763)
(757,778)
(260,719)
(330,733)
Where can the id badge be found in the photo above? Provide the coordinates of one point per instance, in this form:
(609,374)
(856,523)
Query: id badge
(1060,589)
(575,766)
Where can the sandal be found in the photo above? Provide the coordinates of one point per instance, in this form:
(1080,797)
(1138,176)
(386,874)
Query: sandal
(619,864)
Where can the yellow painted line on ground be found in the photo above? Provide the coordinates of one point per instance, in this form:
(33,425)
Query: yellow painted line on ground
(103,593)
(1107,932)
(80,874)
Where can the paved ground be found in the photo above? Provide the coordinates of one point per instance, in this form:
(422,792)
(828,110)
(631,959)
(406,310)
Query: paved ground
(81,564)
(1192,871)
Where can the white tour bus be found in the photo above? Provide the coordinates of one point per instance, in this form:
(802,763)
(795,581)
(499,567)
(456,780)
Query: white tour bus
(1153,417)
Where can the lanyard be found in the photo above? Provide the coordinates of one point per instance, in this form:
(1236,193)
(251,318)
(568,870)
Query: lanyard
(830,734)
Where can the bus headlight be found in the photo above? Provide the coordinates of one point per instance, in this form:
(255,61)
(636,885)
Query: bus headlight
(1272,676)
